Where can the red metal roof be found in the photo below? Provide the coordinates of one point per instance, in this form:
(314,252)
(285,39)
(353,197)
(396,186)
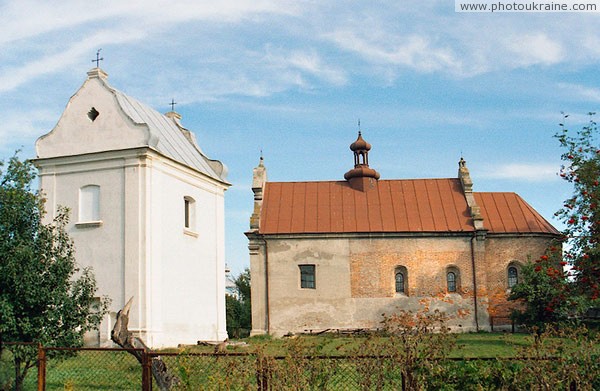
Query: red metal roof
(507,212)
(412,205)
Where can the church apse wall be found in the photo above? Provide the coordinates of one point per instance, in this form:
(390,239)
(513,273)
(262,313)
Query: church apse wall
(504,252)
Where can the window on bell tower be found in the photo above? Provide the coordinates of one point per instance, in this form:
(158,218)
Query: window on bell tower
(89,203)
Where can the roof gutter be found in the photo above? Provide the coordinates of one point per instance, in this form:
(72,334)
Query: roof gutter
(475,306)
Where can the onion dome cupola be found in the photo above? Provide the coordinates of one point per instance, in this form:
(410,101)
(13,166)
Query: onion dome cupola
(361,174)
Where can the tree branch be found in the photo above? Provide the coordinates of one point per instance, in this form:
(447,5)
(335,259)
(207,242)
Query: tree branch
(124,338)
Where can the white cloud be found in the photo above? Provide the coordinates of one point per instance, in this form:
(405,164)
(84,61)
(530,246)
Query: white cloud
(30,18)
(532,172)
(300,63)
(45,37)
(581,92)
(413,51)
(14,77)
(533,48)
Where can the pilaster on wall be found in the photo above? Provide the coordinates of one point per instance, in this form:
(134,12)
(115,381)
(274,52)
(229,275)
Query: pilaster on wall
(478,248)
(258,290)
(259,178)
(259,268)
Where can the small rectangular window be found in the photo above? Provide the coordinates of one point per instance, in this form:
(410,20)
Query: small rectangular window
(89,203)
(189,213)
(186,213)
(307,276)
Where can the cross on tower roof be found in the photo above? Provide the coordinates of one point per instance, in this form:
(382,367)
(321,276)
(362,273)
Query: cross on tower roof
(98,59)
(172,104)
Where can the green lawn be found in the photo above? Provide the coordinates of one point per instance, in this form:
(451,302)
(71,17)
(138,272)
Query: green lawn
(467,345)
(489,344)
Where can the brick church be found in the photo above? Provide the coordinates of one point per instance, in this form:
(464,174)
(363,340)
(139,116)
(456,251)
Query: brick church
(338,254)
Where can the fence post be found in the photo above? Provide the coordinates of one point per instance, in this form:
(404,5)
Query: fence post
(262,373)
(41,381)
(146,371)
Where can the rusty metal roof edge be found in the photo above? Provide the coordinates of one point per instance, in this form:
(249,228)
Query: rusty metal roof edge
(388,235)
(355,235)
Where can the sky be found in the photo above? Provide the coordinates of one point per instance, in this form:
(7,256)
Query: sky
(292,79)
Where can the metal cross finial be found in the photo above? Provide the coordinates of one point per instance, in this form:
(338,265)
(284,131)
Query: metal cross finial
(98,59)
(359,124)
(172,104)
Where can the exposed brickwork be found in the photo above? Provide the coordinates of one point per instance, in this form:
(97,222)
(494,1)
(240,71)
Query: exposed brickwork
(355,279)
(501,252)
(373,262)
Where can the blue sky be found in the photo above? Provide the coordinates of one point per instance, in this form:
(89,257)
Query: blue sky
(293,77)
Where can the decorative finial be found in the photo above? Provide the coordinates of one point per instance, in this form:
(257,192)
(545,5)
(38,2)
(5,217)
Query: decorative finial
(98,58)
(359,124)
(172,104)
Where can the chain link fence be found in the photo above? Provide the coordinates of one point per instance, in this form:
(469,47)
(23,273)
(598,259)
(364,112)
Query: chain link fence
(120,369)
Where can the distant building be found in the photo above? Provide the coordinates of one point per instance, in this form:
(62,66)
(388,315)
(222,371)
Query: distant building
(230,287)
(339,254)
(147,211)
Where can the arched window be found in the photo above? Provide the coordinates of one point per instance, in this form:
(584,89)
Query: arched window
(513,276)
(399,282)
(453,279)
(401,279)
(89,203)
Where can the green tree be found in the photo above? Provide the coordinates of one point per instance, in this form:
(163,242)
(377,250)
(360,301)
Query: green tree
(239,307)
(544,292)
(581,212)
(44,297)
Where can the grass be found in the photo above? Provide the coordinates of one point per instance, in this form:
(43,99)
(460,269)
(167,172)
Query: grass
(470,345)
(489,345)
(104,370)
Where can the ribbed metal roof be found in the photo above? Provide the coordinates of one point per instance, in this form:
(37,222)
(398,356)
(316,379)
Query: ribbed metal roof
(413,205)
(168,138)
(508,212)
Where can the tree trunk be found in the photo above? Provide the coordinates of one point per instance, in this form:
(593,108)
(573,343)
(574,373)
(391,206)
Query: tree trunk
(125,339)
(18,375)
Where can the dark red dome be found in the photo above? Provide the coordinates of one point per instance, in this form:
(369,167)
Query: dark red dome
(360,144)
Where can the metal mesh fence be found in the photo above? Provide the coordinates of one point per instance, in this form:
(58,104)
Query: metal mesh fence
(119,369)
(253,372)
(92,369)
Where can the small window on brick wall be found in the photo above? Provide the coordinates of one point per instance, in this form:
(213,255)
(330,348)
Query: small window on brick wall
(513,276)
(453,280)
(401,279)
